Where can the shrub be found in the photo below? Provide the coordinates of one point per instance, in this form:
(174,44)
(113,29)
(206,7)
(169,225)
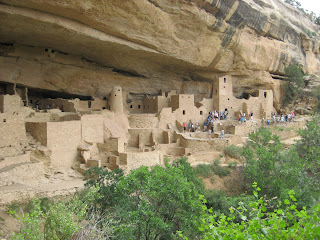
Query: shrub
(257,222)
(233,151)
(232,164)
(293,84)
(57,220)
(203,170)
(221,171)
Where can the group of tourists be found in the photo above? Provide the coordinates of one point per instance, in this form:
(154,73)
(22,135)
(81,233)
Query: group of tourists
(216,115)
(208,125)
(192,127)
(242,117)
(282,118)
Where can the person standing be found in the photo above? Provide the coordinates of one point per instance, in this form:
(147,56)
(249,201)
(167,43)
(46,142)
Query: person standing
(222,134)
(190,125)
(205,125)
(184,127)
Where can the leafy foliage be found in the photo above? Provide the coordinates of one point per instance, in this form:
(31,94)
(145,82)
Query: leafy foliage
(220,203)
(105,181)
(233,151)
(59,220)
(150,203)
(156,203)
(258,223)
(311,15)
(209,170)
(277,170)
(203,170)
(309,145)
(294,84)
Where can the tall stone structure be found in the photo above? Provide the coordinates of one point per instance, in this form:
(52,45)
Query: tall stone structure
(221,92)
(116,100)
(260,105)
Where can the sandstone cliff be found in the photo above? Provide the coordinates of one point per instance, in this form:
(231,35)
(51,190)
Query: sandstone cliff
(85,47)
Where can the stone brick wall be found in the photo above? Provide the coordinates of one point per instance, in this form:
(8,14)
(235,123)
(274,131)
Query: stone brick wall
(10,103)
(63,139)
(92,128)
(12,130)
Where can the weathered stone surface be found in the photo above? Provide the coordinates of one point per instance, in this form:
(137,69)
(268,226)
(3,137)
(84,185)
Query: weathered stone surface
(85,47)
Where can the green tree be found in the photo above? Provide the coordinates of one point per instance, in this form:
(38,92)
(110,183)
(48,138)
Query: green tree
(257,222)
(309,145)
(105,181)
(189,173)
(293,84)
(261,154)
(149,203)
(155,203)
(277,170)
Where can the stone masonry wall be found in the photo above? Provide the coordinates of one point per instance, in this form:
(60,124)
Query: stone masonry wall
(12,130)
(63,140)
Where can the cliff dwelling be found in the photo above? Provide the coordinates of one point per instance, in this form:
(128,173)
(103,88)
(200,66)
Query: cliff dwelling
(50,131)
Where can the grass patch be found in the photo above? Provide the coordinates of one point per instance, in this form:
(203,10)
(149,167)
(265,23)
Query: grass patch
(233,151)
(1,219)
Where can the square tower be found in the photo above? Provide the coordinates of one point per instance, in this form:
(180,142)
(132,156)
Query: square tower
(221,92)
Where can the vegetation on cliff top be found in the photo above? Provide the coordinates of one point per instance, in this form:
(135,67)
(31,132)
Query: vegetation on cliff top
(311,15)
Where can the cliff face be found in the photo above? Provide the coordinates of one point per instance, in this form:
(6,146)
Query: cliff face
(85,47)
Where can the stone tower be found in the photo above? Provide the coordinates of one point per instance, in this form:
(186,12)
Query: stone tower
(222,92)
(116,101)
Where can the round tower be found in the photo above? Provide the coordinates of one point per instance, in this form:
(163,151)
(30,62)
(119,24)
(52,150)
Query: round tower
(116,100)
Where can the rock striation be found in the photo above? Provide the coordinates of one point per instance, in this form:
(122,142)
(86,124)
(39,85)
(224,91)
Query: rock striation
(85,47)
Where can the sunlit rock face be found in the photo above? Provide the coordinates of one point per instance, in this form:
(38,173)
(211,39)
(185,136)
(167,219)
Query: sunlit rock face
(86,47)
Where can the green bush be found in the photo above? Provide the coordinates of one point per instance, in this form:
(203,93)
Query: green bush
(233,151)
(150,203)
(203,170)
(260,222)
(216,199)
(220,171)
(278,170)
(209,170)
(232,164)
(293,84)
(52,220)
